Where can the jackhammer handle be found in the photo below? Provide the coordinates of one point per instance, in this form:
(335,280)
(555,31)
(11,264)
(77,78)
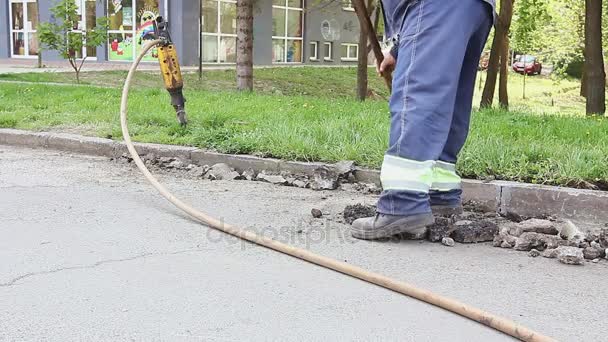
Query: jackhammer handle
(361,11)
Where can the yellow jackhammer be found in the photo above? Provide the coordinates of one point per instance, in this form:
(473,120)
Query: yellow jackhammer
(169,67)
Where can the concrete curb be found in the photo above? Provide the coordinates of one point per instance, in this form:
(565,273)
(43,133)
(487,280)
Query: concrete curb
(587,206)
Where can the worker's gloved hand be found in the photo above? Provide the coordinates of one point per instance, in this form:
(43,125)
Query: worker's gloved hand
(388,64)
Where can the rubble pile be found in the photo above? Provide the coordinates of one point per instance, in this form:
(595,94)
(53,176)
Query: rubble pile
(331,177)
(553,239)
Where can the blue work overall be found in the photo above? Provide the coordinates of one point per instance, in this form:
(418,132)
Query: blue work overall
(438,47)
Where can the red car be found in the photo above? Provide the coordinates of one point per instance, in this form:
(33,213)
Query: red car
(527,64)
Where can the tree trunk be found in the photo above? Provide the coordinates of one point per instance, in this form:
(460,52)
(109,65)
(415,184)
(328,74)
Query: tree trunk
(362,56)
(501,33)
(594,61)
(503,96)
(244,45)
(584,80)
(362,64)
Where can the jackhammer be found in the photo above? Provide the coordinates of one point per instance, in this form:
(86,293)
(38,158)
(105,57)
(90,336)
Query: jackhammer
(170,70)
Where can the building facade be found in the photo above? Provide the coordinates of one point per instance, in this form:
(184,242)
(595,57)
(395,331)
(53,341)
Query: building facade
(285,31)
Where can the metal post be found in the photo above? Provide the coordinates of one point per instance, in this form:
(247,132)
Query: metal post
(200,39)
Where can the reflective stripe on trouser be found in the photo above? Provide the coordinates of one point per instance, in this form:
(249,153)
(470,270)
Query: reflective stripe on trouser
(430,107)
(445,177)
(406,175)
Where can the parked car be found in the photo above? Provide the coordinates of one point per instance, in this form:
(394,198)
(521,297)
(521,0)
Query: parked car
(527,64)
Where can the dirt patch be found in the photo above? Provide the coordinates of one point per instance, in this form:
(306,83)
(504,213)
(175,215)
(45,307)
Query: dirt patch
(357,211)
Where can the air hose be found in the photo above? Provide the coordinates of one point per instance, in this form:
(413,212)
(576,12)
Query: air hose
(498,323)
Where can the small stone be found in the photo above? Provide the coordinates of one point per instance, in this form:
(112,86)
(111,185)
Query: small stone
(299,183)
(513,216)
(197,171)
(510,228)
(324,179)
(539,226)
(443,227)
(569,231)
(344,168)
(222,171)
(528,241)
(550,253)
(273,179)
(473,232)
(176,164)
(316,213)
(606,253)
(595,261)
(570,255)
(447,241)
(249,174)
(591,253)
(534,253)
(505,244)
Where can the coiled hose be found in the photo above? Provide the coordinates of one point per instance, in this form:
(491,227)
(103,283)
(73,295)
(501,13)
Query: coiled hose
(501,324)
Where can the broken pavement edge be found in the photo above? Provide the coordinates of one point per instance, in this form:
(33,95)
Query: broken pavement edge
(586,206)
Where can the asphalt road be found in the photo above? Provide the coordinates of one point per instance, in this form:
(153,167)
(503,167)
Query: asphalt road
(89,251)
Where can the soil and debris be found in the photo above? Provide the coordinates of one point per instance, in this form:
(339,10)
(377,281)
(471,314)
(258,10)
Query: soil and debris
(331,177)
(543,236)
(546,236)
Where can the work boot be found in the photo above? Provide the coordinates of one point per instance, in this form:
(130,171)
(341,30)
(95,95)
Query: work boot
(447,209)
(384,226)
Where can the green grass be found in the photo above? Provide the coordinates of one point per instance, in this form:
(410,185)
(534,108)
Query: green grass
(318,121)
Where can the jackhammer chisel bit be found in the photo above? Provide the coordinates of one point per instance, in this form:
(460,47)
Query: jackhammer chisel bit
(169,67)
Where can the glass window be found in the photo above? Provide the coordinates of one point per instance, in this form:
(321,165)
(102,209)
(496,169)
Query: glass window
(314,46)
(278,50)
(294,23)
(210,52)
(327,47)
(347,5)
(219,31)
(228,18)
(32,16)
(131,26)
(294,51)
(349,52)
(209,16)
(287,27)
(23,22)
(228,50)
(17,15)
(278,22)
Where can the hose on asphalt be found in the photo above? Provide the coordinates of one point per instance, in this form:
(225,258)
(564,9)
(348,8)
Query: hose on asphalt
(493,321)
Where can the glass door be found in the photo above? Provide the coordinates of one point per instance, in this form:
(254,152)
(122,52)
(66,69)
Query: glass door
(88,17)
(23,23)
(131,25)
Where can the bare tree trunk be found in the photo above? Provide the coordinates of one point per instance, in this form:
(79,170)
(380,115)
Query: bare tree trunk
(501,33)
(503,95)
(244,45)
(362,57)
(584,80)
(594,61)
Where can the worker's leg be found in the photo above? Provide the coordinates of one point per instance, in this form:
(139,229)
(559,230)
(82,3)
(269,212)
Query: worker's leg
(446,188)
(432,47)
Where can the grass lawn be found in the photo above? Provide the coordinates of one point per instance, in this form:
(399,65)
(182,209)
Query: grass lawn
(309,114)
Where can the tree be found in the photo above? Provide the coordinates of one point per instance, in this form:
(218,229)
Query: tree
(362,57)
(594,59)
(244,45)
(60,36)
(498,44)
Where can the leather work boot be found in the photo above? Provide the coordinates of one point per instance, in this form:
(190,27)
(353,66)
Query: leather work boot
(384,226)
(447,209)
